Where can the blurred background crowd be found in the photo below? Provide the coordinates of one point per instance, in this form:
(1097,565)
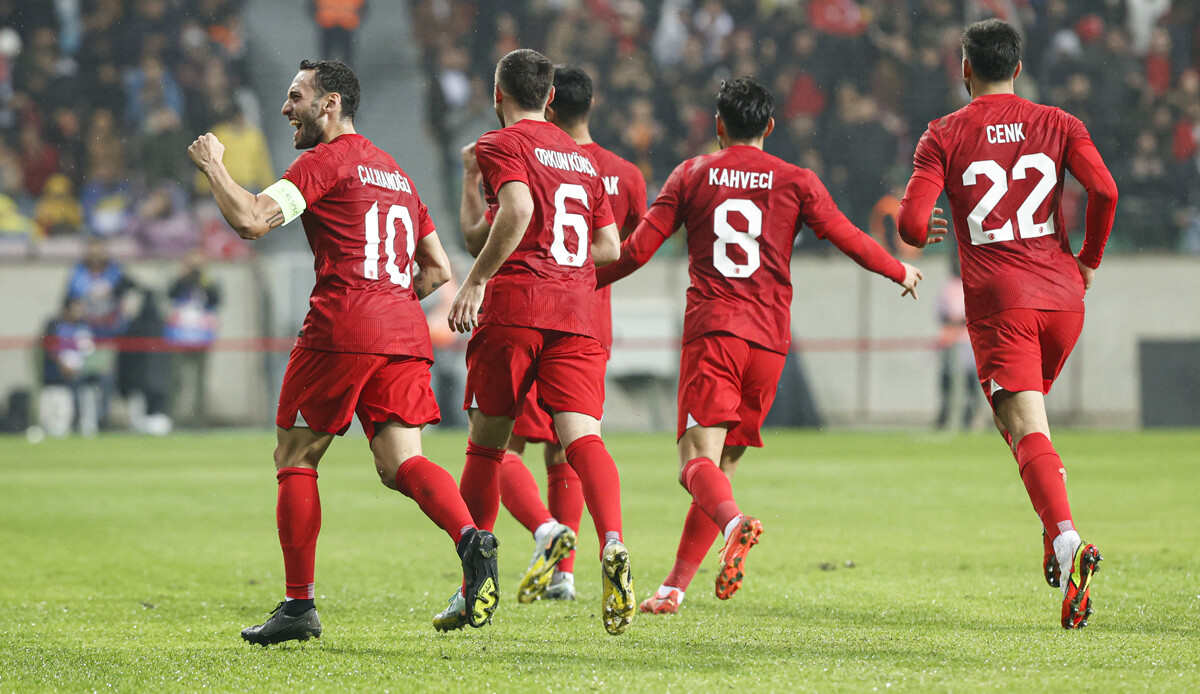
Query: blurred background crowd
(98,102)
(100,98)
(855,83)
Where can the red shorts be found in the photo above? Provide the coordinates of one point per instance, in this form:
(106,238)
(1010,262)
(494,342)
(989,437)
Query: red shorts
(535,424)
(1023,349)
(326,389)
(504,362)
(727,381)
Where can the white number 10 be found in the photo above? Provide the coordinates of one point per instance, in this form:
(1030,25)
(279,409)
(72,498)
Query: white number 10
(371,264)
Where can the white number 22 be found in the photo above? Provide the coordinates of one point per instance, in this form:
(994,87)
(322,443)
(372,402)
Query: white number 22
(371,264)
(1026,227)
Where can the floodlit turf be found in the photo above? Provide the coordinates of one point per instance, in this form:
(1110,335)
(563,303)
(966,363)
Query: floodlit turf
(897,561)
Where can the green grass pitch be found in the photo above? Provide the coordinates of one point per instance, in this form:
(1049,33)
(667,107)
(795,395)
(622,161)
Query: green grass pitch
(891,561)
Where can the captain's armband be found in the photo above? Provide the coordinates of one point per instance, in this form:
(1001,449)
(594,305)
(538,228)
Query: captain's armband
(291,202)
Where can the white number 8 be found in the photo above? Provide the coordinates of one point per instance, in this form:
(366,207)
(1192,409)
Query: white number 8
(371,263)
(563,219)
(747,240)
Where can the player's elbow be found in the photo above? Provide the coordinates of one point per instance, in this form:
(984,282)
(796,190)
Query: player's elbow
(437,275)
(250,231)
(1105,192)
(604,252)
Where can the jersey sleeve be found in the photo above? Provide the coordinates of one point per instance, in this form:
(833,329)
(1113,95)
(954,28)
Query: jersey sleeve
(425,225)
(602,214)
(636,195)
(1085,164)
(912,219)
(822,215)
(663,214)
(928,161)
(312,174)
(500,160)
(659,223)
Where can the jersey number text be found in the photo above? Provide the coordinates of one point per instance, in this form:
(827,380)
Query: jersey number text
(371,264)
(746,240)
(1026,227)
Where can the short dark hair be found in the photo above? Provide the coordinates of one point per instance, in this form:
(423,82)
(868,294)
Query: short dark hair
(746,108)
(993,48)
(572,94)
(526,76)
(334,76)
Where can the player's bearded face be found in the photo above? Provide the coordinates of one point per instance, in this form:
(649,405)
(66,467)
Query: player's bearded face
(309,133)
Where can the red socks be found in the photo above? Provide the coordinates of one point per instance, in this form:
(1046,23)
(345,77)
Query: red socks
(519,493)
(711,490)
(433,489)
(565,497)
(601,484)
(298,517)
(699,533)
(1044,476)
(480,483)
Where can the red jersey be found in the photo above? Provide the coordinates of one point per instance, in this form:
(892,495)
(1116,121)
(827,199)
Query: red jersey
(549,280)
(1002,160)
(363,219)
(626,188)
(743,209)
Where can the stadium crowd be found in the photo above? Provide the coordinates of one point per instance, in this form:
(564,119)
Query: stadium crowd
(856,83)
(98,102)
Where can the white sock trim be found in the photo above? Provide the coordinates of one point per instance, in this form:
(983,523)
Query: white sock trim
(665,590)
(732,525)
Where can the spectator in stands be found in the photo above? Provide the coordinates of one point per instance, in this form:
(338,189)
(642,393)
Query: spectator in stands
(337,22)
(148,85)
(70,387)
(163,225)
(160,144)
(246,155)
(107,201)
(101,284)
(58,212)
(144,373)
(39,159)
(105,146)
(191,329)
(16,230)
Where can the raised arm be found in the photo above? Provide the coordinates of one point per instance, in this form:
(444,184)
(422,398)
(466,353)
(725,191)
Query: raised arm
(512,219)
(472,209)
(251,216)
(433,264)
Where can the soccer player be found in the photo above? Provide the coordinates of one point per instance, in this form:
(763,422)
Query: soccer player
(364,348)
(742,209)
(529,298)
(1002,161)
(554,525)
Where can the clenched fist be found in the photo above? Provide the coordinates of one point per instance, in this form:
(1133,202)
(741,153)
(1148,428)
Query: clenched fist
(206,151)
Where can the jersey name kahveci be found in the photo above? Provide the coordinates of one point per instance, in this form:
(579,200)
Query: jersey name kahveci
(549,280)
(363,220)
